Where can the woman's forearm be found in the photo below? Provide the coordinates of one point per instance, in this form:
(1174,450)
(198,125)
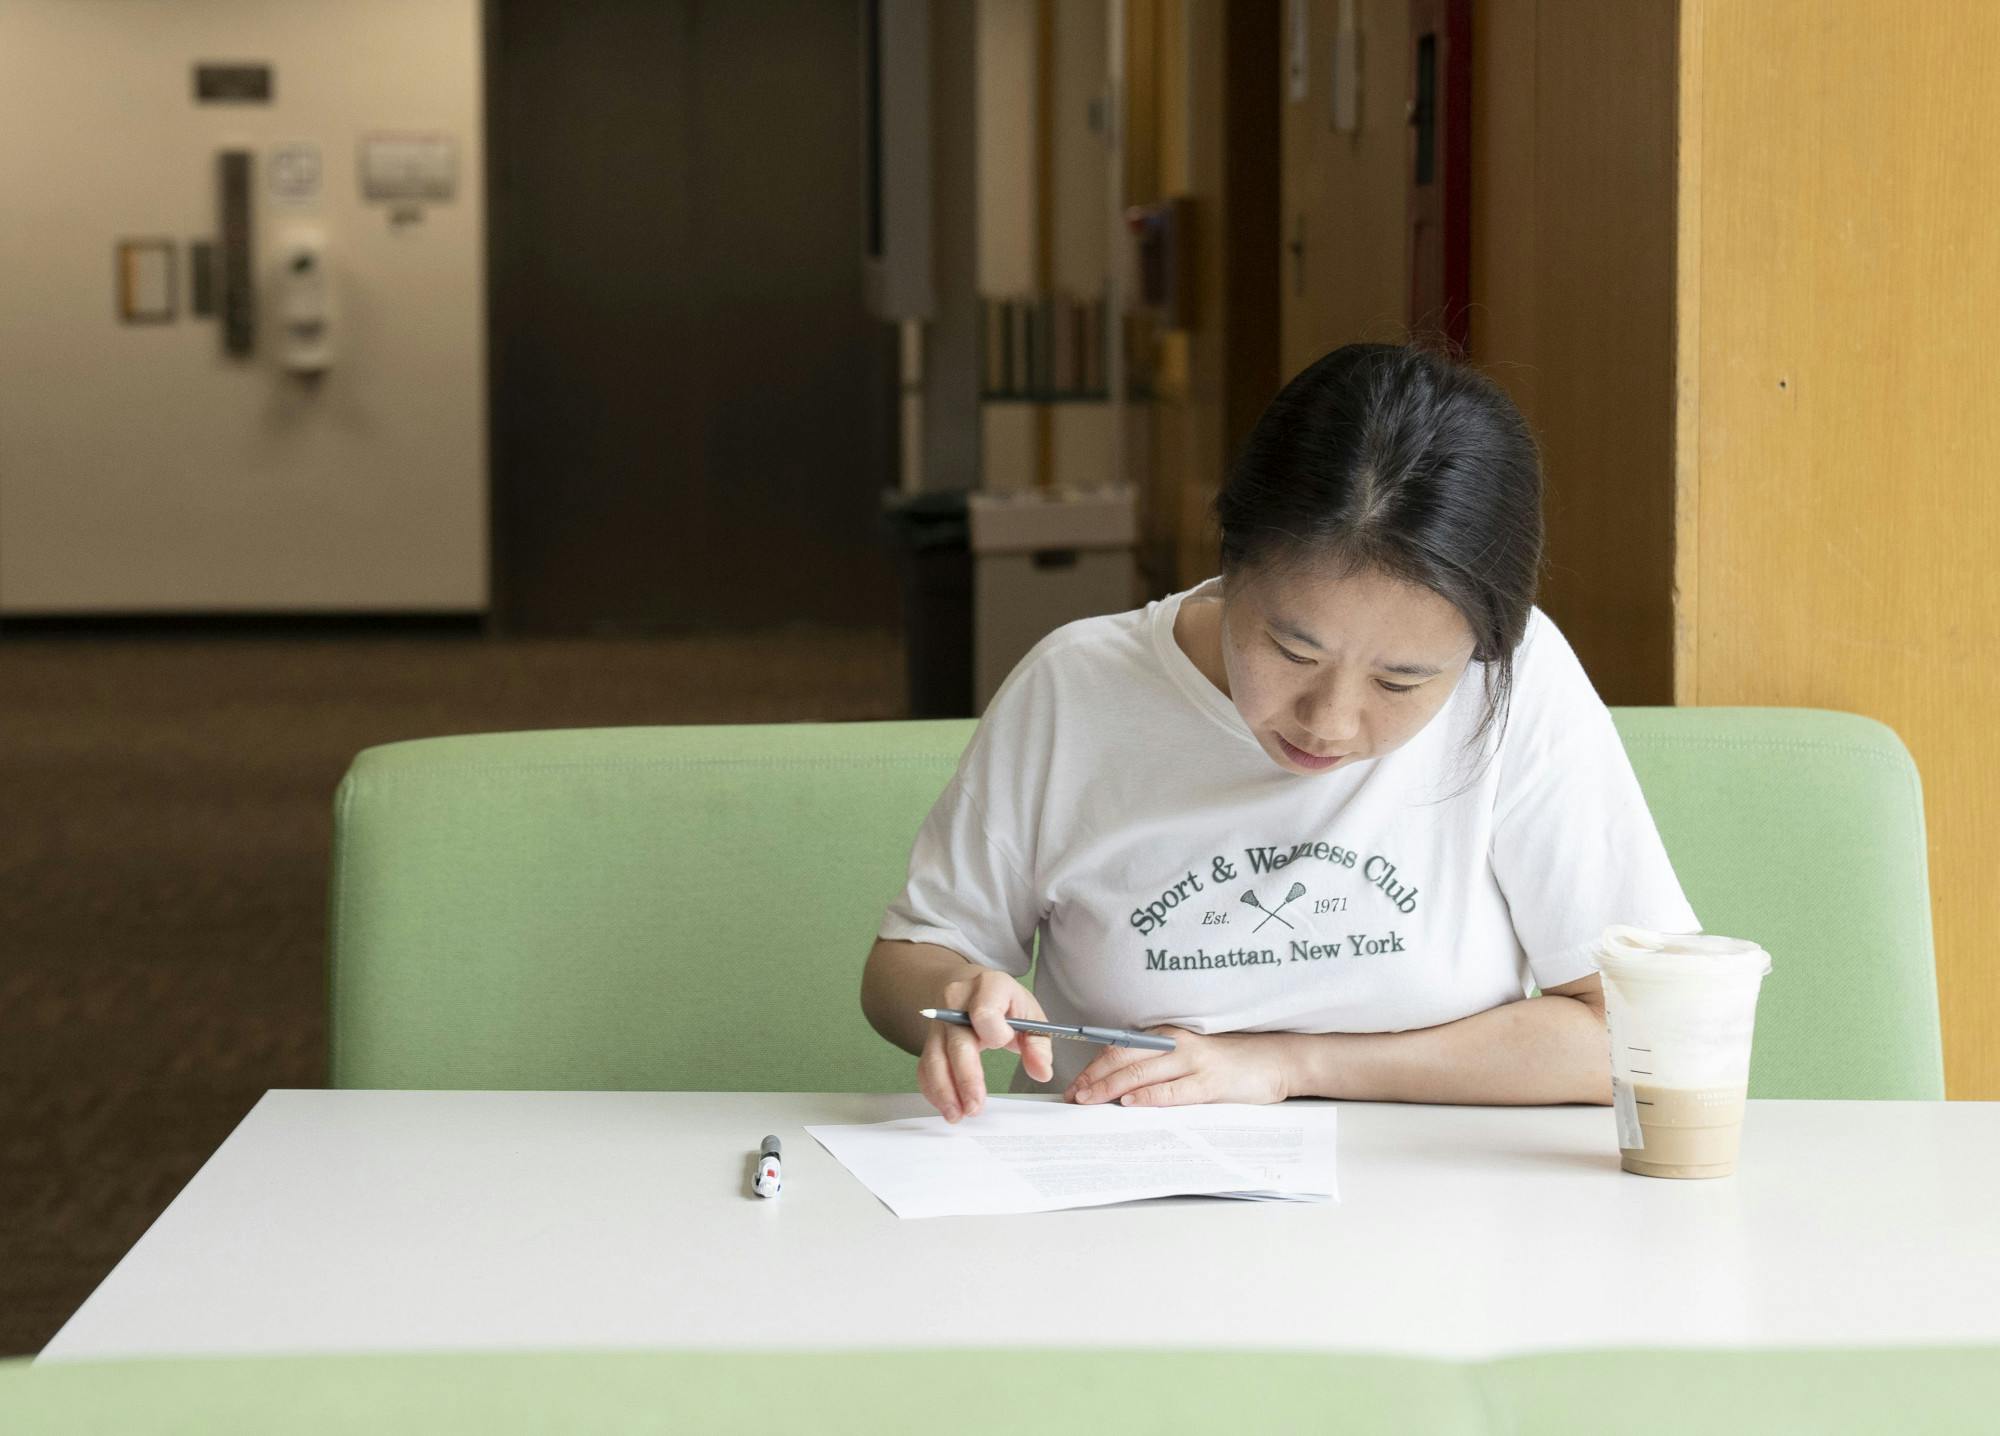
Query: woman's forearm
(900,978)
(1540,1050)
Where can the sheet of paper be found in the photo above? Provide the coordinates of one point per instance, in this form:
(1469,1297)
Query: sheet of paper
(1026,1156)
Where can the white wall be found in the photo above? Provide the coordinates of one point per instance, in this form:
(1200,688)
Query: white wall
(141,469)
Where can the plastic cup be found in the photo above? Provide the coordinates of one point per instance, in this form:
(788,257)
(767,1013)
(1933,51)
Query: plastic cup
(1681,1008)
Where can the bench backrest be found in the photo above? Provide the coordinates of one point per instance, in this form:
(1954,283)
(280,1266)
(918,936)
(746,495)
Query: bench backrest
(689,908)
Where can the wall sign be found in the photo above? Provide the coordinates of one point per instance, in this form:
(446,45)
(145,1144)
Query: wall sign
(408,167)
(232,84)
(294,171)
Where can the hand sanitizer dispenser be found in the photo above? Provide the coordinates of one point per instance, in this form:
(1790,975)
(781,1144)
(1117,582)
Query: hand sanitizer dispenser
(305,303)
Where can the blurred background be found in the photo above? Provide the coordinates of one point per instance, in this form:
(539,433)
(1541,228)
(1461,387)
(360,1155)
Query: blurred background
(381,369)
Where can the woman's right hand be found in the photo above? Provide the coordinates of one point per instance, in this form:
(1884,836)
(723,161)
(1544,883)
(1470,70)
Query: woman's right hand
(948,1070)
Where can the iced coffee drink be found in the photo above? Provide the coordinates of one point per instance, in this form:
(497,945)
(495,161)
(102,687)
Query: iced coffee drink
(1681,1008)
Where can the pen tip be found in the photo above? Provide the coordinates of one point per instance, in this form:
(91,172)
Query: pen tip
(928,1011)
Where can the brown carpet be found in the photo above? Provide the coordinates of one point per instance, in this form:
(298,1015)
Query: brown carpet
(165,831)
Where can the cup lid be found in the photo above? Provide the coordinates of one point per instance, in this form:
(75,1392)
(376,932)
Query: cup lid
(1638,951)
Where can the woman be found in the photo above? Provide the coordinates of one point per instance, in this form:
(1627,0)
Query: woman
(1323,819)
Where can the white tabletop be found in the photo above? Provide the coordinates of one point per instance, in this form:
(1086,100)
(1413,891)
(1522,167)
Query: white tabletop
(341,1221)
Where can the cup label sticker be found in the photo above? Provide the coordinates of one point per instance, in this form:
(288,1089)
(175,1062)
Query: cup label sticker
(1629,1133)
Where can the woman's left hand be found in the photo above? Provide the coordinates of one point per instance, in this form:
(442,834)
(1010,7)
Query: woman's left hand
(1226,1067)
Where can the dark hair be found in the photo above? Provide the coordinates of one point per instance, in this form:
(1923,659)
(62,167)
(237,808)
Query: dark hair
(1409,462)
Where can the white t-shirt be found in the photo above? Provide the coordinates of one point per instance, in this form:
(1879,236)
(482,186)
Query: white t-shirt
(1113,798)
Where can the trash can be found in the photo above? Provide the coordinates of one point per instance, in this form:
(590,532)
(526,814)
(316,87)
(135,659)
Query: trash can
(931,536)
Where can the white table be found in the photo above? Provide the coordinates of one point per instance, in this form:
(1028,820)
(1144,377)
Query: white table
(405,1220)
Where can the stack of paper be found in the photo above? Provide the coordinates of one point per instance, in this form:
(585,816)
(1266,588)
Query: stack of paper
(1027,1156)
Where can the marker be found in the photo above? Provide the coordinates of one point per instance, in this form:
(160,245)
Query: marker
(770,1176)
(1108,1036)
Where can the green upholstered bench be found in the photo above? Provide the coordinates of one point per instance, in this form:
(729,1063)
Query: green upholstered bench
(614,908)
(1049,1393)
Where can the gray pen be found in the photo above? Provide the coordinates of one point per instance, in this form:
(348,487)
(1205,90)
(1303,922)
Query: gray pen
(1109,1036)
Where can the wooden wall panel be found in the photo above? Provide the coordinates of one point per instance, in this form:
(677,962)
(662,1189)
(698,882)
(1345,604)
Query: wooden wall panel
(1572,278)
(1342,194)
(1194,416)
(1194,97)
(1573,306)
(1602,288)
(1156,103)
(1847,429)
(1505,277)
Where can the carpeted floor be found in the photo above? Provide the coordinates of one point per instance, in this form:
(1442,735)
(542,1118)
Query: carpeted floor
(165,829)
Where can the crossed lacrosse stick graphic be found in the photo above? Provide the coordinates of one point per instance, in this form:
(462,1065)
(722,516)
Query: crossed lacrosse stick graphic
(1298,891)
